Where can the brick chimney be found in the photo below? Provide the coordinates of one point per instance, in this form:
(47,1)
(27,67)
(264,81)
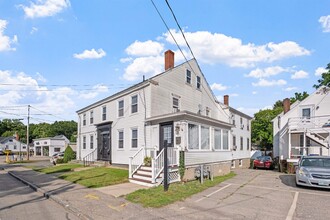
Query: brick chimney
(286,105)
(226,100)
(169,59)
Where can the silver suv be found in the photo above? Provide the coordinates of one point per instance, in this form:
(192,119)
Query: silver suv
(313,171)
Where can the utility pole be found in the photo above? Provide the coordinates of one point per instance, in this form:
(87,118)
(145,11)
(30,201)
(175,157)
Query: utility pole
(27,134)
(165,167)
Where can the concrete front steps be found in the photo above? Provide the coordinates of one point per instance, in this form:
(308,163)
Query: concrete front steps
(143,176)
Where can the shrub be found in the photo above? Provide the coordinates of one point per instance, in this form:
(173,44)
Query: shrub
(59,160)
(147,161)
(69,155)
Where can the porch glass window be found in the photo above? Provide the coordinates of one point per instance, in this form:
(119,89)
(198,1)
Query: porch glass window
(198,83)
(188,76)
(120,139)
(217,139)
(134,104)
(104,113)
(306,113)
(121,108)
(91,117)
(193,136)
(225,135)
(91,143)
(205,138)
(84,142)
(134,138)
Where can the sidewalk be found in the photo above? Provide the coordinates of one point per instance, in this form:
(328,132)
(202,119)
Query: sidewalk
(84,202)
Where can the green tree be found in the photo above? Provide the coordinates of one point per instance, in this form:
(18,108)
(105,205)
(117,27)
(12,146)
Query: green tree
(325,78)
(262,127)
(67,128)
(299,96)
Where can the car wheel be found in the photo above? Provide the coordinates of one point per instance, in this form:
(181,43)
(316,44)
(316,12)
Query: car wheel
(254,167)
(54,162)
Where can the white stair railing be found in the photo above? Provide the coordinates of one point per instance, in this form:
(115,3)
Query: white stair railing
(136,161)
(157,165)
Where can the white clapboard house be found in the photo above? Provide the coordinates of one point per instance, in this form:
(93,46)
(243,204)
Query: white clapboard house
(304,127)
(177,108)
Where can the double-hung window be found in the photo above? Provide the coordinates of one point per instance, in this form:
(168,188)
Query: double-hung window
(104,113)
(205,138)
(91,142)
(241,143)
(188,76)
(84,119)
(248,143)
(121,108)
(84,142)
(134,104)
(198,82)
(121,139)
(91,117)
(175,104)
(134,138)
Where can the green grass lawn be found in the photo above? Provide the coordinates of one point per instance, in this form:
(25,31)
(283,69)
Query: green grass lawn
(97,177)
(156,197)
(58,168)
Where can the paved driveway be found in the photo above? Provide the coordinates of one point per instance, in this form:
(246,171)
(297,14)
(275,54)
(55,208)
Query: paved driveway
(254,194)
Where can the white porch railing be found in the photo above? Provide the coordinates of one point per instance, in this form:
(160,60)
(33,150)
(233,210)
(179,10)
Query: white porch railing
(157,166)
(136,161)
(318,122)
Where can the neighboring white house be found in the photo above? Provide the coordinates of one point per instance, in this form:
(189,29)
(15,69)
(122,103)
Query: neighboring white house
(304,127)
(176,107)
(10,143)
(50,145)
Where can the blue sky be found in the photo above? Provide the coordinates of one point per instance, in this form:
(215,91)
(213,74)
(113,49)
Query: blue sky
(61,55)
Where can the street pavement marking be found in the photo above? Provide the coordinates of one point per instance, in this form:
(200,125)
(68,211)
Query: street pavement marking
(91,196)
(118,208)
(207,196)
(293,207)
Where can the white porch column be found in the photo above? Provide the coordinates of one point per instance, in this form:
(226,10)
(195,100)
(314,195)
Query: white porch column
(289,151)
(305,151)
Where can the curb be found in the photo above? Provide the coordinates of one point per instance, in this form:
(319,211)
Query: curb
(48,195)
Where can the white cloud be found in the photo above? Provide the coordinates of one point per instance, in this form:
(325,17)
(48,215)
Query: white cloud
(266,83)
(325,22)
(254,92)
(233,95)
(45,8)
(219,87)
(97,89)
(319,71)
(125,60)
(218,48)
(5,41)
(148,66)
(90,54)
(40,77)
(147,48)
(289,89)
(33,30)
(267,72)
(299,75)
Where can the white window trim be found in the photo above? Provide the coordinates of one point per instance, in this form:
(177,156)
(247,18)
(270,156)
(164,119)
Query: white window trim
(240,162)
(221,141)
(91,116)
(137,103)
(186,75)
(121,130)
(137,138)
(233,164)
(91,142)
(200,83)
(118,116)
(104,106)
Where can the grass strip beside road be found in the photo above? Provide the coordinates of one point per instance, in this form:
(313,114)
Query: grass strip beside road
(156,197)
(97,177)
(58,168)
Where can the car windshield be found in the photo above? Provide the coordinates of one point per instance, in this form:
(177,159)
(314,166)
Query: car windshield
(316,162)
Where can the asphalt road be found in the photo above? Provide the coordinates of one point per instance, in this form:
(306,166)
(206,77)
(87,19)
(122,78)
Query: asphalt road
(253,194)
(18,201)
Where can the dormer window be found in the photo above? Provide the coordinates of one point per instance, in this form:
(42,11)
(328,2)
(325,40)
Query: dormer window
(188,76)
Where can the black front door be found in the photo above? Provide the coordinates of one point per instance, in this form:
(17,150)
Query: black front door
(104,143)
(166,135)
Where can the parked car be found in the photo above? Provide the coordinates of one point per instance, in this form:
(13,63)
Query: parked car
(56,156)
(313,171)
(263,162)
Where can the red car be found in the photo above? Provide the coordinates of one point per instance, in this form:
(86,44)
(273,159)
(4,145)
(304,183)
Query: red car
(263,162)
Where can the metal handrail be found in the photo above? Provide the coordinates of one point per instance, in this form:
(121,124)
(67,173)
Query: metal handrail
(89,158)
